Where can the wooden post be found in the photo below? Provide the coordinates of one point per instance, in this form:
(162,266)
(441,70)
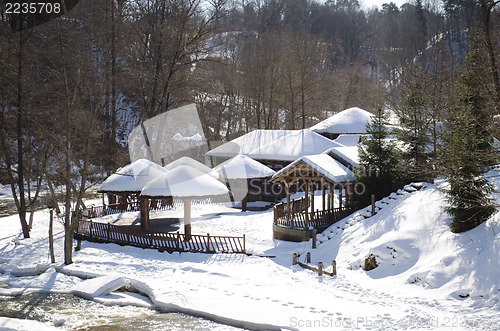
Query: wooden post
(51,237)
(373,204)
(288,206)
(320,268)
(144,204)
(330,193)
(178,241)
(208,243)
(340,196)
(108,230)
(350,194)
(244,200)
(312,197)
(314,232)
(294,259)
(306,200)
(308,257)
(187,219)
(334,268)
(244,245)
(323,194)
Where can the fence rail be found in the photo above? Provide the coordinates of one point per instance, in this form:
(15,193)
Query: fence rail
(167,241)
(296,218)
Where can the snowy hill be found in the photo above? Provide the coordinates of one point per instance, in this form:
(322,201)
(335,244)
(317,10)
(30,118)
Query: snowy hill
(411,240)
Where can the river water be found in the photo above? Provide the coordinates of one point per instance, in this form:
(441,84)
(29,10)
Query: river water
(70,312)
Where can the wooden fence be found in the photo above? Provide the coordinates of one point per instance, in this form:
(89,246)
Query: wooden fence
(319,218)
(163,241)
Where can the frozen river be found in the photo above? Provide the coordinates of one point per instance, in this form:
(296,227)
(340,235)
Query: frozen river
(70,312)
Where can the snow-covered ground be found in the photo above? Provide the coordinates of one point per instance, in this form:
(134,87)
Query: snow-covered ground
(427,277)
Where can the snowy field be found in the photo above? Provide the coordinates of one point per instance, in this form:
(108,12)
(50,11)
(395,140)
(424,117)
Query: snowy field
(427,278)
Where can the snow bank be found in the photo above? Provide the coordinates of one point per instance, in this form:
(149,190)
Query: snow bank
(92,288)
(21,324)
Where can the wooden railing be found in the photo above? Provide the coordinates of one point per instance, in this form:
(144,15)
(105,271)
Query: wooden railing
(165,241)
(317,219)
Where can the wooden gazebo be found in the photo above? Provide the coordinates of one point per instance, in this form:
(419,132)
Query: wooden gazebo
(295,220)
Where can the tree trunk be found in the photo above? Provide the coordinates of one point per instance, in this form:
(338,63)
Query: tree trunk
(20,137)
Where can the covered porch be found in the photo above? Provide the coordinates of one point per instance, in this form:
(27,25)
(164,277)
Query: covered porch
(295,220)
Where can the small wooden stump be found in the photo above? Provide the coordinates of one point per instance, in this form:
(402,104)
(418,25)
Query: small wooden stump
(320,268)
(294,259)
(373,204)
(308,257)
(334,268)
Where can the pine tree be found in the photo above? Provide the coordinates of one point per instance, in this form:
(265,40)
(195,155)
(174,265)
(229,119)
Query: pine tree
(379,170)
(468,142)
(415,117)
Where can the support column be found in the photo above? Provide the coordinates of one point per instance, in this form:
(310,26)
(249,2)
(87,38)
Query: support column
(288,207)
(330,196)
(187,219)
(351,194)
(144,207)
(340,196)
(312,196)
(323,193)
(244,188)
(306,200)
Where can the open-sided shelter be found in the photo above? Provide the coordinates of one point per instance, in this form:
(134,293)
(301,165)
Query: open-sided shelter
(295,220)
(238,170)
(186,183)
(130,180)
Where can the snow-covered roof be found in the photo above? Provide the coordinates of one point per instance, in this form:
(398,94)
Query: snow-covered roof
(290,147)
(243,167)
(132,178)
(185,160)
(184,182)
(246,143)
(324,165)
(345,154)
(349,121)
(349,139)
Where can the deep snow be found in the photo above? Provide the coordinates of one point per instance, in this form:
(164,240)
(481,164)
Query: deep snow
(427,277)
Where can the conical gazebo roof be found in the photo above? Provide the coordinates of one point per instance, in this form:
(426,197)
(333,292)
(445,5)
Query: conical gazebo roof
(184,182)
(132,178)
(185,160)
(243,167)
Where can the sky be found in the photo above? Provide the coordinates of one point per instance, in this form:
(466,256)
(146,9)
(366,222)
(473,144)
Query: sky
(378,3)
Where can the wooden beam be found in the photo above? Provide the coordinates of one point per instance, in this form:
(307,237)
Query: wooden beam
(144,207)
(323,193)
(340,195)
(312,196)
(306,200)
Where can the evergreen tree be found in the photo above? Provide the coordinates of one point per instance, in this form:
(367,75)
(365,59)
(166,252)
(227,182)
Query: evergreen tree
(379,169)
(415,117)
(469,150)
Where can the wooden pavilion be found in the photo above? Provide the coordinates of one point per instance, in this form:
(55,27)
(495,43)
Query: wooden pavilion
(295,220)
